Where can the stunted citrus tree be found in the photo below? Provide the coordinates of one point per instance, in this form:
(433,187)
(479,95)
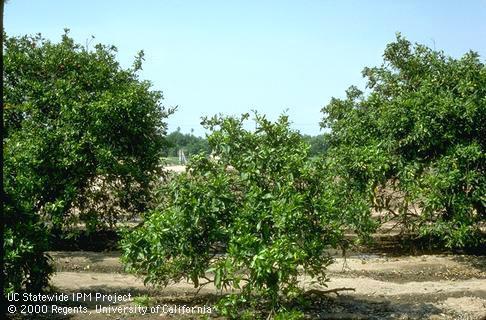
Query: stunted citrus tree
(253,217)
(415,141)
(83,141)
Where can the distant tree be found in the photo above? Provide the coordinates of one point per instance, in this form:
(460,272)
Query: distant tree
(190,144)
(83,140)
(318,144)
(416,141)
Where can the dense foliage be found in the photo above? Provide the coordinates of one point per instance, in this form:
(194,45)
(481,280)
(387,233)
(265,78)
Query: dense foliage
(416,141)
(189,143)
(260,201)
(83,141)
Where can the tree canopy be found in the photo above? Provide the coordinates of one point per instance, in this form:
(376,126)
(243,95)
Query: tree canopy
(83,141)
(415,140)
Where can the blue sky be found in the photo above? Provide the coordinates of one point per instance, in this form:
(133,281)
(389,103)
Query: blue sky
(235,56)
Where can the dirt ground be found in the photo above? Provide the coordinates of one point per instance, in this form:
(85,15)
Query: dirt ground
(176,168)
(385,287)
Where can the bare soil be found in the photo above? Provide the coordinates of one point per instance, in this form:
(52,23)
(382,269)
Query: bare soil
(386,287)
(176,168)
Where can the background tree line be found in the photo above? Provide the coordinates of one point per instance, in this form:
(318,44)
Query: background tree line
(192,145)
(189,143)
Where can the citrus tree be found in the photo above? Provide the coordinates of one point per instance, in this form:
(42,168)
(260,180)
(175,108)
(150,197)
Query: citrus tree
(251,218)
(83,141)
(414,141)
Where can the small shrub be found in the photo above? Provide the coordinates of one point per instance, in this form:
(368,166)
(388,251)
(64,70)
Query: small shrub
(250,220)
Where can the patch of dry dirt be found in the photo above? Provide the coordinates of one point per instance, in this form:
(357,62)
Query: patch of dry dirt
(176,168)
(86,261)
(412,268)
(408,287)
